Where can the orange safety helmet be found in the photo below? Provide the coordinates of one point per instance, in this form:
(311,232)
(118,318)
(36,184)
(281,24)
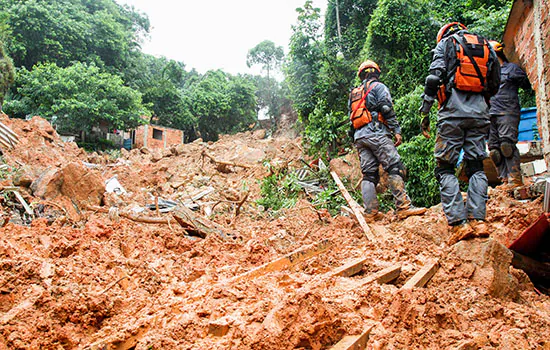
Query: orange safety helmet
(449,29)
(498,47)
(368,66)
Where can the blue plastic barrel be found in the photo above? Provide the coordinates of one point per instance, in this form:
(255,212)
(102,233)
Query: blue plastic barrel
(528,128)
(127,144)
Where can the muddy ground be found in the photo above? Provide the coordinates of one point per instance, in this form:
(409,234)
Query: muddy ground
(85,272)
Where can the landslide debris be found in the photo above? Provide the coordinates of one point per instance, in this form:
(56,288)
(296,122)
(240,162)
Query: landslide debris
(84,273)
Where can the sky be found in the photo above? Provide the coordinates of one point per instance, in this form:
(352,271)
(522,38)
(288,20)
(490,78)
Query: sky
(217,34)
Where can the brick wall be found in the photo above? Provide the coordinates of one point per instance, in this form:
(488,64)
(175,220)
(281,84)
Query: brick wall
(145,137)
(527,40)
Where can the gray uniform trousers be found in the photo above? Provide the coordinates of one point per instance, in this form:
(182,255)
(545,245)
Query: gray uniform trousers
(374,150)
(468,134)
(504,129)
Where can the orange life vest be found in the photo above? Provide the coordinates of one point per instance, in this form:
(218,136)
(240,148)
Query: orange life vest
(472,59)
(360,114)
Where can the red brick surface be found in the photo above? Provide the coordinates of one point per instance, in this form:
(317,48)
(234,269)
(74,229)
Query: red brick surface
(523,23)
(169,137)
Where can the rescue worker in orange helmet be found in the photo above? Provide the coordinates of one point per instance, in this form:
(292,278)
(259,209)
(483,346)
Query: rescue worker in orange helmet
(373,124)
(463,75)
(505,115)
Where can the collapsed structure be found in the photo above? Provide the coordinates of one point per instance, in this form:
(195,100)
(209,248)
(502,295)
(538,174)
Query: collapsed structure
(167,249)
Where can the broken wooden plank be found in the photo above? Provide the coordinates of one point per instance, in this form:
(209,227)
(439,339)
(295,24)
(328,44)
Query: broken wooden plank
(422,277)
(356,208)
(286,261)
(196,225)
(9,132)
(133,217)
(353,342)
(7,138)
(23,203)
(5,143)
(19,197)
(350,269)
(222,162)
(383,276)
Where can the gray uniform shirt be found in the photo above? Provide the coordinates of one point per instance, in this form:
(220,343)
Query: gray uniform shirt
(463,104)
(506,101)
(378,96)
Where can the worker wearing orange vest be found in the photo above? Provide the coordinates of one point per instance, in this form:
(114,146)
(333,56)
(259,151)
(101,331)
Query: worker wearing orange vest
(505,116)
(464,74)
(373,124)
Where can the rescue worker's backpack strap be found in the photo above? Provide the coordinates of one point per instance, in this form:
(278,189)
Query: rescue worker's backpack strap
(467,52)
(365,117)
(473,60)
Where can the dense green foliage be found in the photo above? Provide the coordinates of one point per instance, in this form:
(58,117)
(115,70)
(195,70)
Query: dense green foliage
(222,103)
(400,37)
(79,96)
(98,31)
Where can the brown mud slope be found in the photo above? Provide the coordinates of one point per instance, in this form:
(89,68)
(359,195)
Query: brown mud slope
(76,278)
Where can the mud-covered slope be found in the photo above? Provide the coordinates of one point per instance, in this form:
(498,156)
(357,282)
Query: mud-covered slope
(83,276)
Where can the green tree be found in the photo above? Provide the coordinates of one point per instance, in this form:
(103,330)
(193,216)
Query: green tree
(58,31)
(269,57)
(168,107)
(304,60)
(161,81)
(401,36)
(266,54)
(79,96)
(354,17)
(221,103)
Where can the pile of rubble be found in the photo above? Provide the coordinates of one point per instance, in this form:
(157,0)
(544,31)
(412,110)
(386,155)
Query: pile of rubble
(169,250)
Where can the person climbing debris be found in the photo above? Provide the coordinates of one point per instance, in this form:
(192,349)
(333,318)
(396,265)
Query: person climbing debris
(463,75)
(373,121)
(505,116)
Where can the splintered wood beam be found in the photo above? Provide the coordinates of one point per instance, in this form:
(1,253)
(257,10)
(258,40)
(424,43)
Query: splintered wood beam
(356,208)
(353,342)
(383,276)
(286,261)
(422,277)
(350,269)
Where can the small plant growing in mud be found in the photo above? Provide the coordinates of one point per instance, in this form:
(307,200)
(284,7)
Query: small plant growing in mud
(279,190)
(283,187)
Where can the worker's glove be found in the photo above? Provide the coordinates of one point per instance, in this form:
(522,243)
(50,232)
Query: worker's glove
(425,126)
(398,140)
(427,102)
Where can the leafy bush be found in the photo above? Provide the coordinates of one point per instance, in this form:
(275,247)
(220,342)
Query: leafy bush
(417,155)
(81,96)
(98,145)
(325,134)
(279,190)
